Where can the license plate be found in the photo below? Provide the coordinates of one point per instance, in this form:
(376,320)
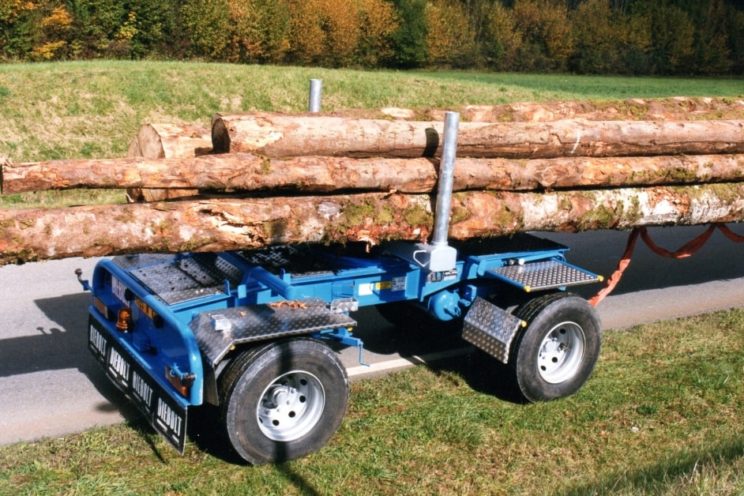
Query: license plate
(166,415)
(96,343)
(118,369)
(119,290)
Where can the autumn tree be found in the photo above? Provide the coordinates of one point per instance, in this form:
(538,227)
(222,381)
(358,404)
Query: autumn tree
(546,33)
(501,40)
(450,39)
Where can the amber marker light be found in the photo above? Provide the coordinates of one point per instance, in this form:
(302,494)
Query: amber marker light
(124,320)
(182,384)
(101,306)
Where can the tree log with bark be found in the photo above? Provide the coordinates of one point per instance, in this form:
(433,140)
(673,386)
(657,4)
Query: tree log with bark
(222,224)
(158,141)
(668,109)
(247,172)
(276,135)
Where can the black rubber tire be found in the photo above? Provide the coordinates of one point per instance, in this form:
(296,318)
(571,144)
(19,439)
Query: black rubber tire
(249,375)
(543,314)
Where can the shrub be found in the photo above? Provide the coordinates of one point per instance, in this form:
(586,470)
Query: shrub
(51,34)
(735,30)
(206,24)
(18,27)
(502,40)
(153,25)
(273,30)
(671,37)
(450,39)
(598,37)
(377,23)
(547,41)
(711,47)
(340,24)
(306,35)
(95,26)
(409,40)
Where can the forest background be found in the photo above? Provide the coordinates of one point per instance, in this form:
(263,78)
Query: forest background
(669,37)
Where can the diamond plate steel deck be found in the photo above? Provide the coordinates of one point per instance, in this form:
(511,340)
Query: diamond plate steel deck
(191,277)
(536,276)
(261,322)
(139,260)
(298,261)
(490,328)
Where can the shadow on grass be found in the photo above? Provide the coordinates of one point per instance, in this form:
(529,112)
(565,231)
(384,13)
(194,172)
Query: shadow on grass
(662,476)
(483,374)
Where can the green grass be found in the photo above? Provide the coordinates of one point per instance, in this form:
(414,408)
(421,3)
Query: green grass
(661,415)
(570,87)
(93,109)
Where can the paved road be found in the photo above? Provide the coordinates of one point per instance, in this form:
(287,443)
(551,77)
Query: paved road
(50,386)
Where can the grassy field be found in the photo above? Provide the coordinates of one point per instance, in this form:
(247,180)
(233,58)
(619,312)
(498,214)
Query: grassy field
(661,415)
(93,109)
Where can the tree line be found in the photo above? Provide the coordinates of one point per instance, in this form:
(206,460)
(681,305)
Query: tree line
(582,36)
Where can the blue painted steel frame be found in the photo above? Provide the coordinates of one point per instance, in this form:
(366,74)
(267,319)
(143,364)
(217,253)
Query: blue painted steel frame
(179,347)
(371,281)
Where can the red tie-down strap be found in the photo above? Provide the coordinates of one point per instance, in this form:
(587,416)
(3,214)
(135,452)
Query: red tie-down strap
(686,250)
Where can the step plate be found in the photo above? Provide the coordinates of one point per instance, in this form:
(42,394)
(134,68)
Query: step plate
(490,329)
(550,274)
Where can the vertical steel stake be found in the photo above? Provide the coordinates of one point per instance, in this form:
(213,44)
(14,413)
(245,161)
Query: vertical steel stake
(446,178)
(316,91)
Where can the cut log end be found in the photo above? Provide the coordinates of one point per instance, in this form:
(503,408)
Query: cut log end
(157,141)
(220,136)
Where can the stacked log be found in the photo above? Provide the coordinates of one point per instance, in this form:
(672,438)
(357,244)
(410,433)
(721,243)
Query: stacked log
(246,172)
(664,109)
(159,141)
(277,135)
(328,179)
(228,224)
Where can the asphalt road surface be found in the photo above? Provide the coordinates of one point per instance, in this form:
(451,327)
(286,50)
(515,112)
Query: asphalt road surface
(51,386)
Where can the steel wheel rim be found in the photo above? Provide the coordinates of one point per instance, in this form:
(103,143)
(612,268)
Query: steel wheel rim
(291,406)
(560,353)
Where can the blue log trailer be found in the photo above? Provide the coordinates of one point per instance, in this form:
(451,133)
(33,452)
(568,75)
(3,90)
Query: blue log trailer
(251,331)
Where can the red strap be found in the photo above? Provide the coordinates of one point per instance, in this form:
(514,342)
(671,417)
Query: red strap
(736,238)
(686,250)
(621,266)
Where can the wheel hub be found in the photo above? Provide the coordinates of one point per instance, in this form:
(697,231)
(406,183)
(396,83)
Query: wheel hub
(560,353)
(290,406)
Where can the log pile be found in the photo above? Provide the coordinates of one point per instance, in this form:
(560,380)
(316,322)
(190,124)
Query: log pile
(270,178)
(159,141)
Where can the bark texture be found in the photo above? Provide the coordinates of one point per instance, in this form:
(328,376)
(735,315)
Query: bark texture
(669,109)
(276,135)
(157,141)
(247,172)
(215,225)
(226,172)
